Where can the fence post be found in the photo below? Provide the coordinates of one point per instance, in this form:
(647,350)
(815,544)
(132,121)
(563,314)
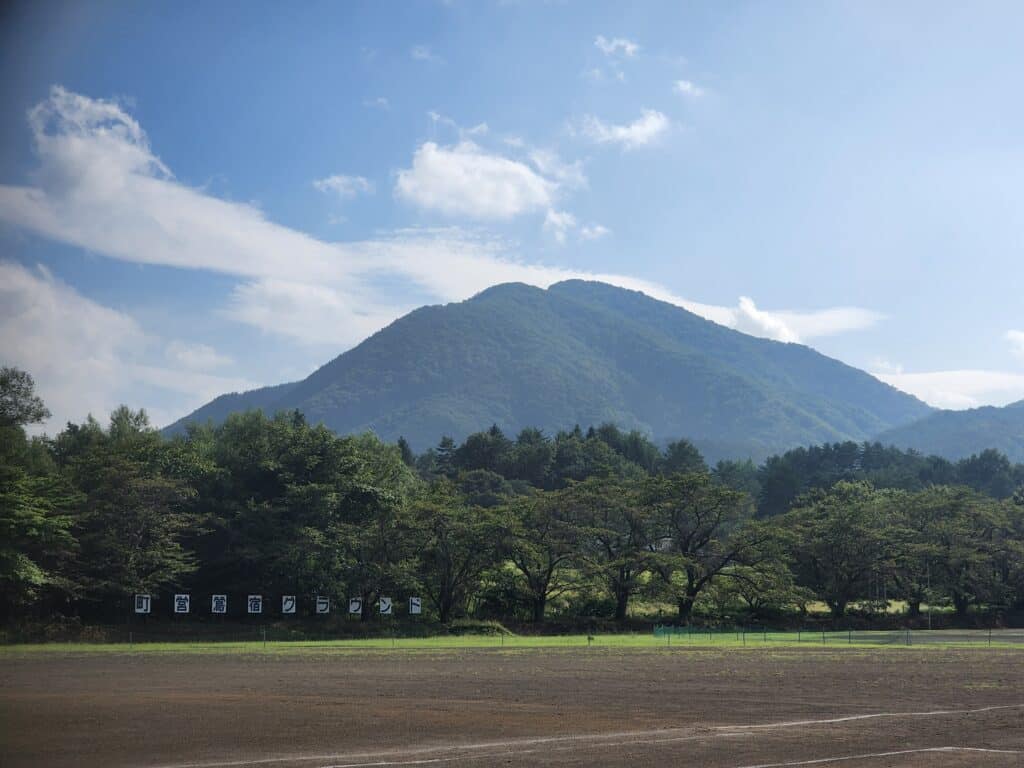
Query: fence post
(799,634)
(823,637)
(131,640)
(264,638)
(990,635)
(849,637)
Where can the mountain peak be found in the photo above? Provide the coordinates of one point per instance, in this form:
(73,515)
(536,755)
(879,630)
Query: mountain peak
(585,352)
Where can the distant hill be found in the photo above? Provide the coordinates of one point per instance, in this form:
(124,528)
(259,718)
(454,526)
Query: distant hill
(584,353)
(956,434)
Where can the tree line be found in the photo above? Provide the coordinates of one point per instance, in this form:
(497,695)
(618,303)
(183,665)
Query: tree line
(581,523)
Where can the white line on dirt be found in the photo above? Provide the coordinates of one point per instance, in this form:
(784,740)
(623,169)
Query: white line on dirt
(581,741)
(873,716)
(868,755)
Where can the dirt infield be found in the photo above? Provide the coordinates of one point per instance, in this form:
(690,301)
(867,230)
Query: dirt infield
(729,709)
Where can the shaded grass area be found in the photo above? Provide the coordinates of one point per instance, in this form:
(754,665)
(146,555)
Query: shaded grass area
(728,640)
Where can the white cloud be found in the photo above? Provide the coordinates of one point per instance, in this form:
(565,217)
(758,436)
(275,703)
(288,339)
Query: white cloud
(959,389)
(314,314)
(466,180)
(646,129)
(616,46)
(423,53)
(558,224)
(688,88)
(195,356)
(87,358)
(345,187)
(1016,339)
(99,186)
(594,232)
(828,322)
(551,165)
(381,102)
(884,365)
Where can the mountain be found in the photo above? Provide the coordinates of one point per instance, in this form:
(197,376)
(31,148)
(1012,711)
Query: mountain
(584,353)
(956,434)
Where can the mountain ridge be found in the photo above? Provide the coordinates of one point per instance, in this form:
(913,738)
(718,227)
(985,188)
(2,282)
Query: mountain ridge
(958,434)
(584,352)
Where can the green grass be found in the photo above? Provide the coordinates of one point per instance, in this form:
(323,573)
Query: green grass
(725,640)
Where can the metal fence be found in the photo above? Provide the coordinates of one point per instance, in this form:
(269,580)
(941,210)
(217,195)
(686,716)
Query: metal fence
(755,635)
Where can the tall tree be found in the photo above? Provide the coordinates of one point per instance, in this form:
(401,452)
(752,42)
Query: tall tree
(615,531)
(540,540)
(842,539)
(700,530)
(35,535)
(455,544)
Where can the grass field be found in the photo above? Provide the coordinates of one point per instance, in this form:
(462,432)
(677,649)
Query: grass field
(732,639)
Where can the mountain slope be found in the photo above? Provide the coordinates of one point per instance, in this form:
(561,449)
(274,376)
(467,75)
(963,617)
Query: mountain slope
(956,434)
(583,352)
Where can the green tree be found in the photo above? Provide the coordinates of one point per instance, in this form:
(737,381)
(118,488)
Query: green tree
(841,540)
(455,544)
(540,540)
(615,531)
(682,456)
(133,515)
(700,529)
(35,537)
(19,404)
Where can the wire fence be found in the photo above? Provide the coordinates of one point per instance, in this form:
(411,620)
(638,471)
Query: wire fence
(907,637)
(255,637)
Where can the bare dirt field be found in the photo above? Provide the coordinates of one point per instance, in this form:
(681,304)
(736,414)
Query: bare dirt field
(467,708)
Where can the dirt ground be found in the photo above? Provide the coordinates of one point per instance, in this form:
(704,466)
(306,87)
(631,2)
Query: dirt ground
(717,708)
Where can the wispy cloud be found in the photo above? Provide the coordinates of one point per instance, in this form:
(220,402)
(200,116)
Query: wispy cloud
(645,130)
(558,224)
(423,53)
(594,232)
(959,389)
(617,46)
(345,187)
(688,88)
(87,358)
(195,356)
(380,102)
(1016,339)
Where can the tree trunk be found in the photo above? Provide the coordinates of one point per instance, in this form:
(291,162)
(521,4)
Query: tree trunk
(838,608)
(539,604)
(685,609)
(913,608)
(960,604)
(621,604)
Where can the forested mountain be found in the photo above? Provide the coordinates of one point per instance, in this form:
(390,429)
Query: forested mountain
(955,434)
(584,353)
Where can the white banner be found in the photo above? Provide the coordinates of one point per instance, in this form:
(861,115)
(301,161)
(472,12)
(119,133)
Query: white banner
(323,604)
(219,604)
(415,606)
(255,603)
(182,603)
(288,604)
(386,606)
(143,603)
(355,605)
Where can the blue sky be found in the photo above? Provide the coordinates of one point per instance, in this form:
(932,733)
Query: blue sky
(200,198)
